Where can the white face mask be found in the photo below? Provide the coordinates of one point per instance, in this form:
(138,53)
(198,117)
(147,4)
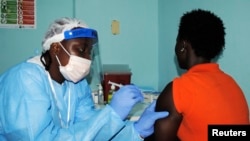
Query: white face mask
(76,69)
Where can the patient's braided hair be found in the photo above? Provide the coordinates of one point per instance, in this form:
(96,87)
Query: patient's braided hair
(204,31)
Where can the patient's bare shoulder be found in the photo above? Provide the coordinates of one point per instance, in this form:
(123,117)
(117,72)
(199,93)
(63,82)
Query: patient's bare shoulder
(166,128)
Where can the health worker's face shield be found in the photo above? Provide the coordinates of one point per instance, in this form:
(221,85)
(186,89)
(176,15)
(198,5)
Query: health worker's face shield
(95,75)
(82,33)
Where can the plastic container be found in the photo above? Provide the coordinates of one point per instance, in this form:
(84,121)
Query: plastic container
(100,95)
(111,92)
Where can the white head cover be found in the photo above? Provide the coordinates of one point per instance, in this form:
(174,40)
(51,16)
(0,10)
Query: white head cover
(56,30)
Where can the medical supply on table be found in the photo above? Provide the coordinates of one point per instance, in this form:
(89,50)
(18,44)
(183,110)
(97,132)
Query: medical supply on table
(100,95)
(150,96)
(111,92)
(95,96)
(112,89)
(149,93)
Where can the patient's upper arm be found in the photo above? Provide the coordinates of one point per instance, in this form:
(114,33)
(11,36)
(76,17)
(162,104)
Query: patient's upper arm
(166,128)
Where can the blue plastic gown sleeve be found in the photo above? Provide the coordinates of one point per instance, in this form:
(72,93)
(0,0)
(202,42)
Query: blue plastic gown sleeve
(28,113)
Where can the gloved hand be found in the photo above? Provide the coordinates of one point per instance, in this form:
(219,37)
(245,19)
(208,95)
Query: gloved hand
(124,99)
(145,125)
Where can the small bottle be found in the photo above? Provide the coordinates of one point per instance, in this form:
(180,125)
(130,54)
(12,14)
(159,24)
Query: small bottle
(111,92)
(95,97)
(100,95)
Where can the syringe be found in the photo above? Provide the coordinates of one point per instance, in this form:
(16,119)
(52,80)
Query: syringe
(115,84)
(120,85)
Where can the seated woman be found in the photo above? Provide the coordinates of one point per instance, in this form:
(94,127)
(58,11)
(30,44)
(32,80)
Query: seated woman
(204,94)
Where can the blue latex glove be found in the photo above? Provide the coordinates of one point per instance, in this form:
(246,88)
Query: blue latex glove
(124,99)
(145,125)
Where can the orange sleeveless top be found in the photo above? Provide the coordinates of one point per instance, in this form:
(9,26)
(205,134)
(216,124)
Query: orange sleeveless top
(206,95)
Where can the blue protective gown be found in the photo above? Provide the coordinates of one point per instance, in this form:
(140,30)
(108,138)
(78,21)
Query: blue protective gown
(29,111)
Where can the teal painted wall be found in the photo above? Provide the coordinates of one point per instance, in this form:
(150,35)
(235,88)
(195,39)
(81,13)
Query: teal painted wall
(147,36)
(19,44)
(235,60)
(137,43)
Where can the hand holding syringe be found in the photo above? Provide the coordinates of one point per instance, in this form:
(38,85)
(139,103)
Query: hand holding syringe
(147,97)
(113,84)
(124,101)
(125,98)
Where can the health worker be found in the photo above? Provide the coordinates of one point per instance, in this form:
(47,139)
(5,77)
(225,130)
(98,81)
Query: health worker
(47,98)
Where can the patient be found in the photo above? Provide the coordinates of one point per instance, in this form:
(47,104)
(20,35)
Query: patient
(204,94)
